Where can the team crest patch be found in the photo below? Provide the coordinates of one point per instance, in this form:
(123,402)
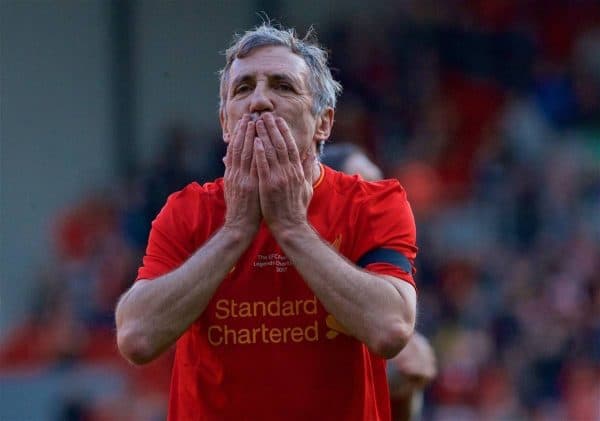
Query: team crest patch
(335,328)
(336,244)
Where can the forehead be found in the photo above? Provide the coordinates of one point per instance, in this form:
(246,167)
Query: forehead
(269,60)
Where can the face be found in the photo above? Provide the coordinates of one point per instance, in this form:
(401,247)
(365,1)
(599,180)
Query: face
(273,79)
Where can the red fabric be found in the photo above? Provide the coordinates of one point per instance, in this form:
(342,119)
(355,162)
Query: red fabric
(264,347)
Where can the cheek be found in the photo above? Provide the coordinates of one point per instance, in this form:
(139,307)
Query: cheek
(232,120)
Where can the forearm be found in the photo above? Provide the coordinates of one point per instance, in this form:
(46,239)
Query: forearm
(152,315)
(377,310)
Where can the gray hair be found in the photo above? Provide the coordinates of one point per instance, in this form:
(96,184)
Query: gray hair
(323,87)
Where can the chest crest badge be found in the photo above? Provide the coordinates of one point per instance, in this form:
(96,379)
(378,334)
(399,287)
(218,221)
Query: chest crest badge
(336,244)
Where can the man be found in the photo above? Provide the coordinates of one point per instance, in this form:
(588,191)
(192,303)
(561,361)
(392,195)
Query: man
(285,284)
(415,366)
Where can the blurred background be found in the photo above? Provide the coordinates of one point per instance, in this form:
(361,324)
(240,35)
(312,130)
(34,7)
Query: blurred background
(487,111)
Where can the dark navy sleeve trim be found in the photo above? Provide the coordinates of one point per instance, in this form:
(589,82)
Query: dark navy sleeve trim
(383,255)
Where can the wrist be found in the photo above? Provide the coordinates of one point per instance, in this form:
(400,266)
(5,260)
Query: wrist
(288,233)
(239,234)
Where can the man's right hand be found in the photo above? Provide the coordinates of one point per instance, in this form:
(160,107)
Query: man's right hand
(241,180)
(152,315)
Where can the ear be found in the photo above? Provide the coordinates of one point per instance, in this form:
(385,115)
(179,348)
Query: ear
(225,130)
(324,124)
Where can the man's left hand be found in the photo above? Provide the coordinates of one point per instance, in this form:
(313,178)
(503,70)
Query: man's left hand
(285,180)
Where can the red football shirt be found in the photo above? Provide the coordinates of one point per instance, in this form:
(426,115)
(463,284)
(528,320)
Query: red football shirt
(265,348)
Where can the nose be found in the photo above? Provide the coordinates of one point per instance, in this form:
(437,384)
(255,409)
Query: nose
(260,101)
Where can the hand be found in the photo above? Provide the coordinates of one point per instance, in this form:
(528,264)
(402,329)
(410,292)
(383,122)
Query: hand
(241,180)
(413,368)
(285,181)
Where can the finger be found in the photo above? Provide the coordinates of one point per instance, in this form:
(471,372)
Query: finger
(290,143)
(248,147)
(227,159)
(269,150)
(277,140)
(262,164)
(231,136)
(238,141)
(253,169)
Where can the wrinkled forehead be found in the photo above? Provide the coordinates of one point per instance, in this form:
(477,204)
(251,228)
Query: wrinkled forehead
(269,61)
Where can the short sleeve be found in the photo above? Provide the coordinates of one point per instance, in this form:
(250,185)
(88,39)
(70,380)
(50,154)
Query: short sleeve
(385,231)
(171,238)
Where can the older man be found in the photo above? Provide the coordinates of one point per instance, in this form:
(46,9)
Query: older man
(285,284)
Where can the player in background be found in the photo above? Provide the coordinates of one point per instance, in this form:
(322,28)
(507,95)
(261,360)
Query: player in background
(415,366)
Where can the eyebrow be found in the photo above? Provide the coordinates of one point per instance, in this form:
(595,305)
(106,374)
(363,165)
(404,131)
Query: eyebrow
(240,79)
(287,78)
(275,76)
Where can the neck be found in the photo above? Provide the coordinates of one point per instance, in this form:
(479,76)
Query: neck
(316,171)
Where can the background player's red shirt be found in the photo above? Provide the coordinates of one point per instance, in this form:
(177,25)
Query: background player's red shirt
(265,348)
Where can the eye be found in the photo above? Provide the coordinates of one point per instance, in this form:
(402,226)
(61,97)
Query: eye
(284,86)
(240,89)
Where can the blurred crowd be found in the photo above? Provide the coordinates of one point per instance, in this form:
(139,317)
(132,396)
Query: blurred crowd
(488,112)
